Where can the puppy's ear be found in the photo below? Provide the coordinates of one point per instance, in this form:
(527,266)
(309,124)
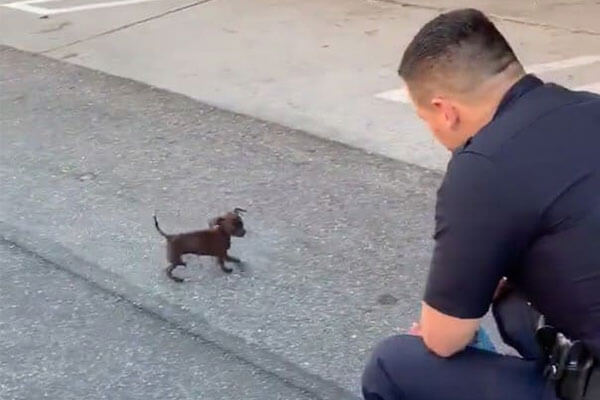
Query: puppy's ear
(215,222)
(238,211)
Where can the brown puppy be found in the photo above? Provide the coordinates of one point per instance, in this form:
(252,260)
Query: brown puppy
(214,241)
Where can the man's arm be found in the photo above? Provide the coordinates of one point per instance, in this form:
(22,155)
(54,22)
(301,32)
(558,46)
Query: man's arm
(481,230)
(444,334)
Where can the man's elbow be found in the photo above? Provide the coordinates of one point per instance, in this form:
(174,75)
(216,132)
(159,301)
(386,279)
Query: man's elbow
(441,346)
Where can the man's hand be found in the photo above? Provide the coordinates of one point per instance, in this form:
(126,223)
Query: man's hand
(415,329)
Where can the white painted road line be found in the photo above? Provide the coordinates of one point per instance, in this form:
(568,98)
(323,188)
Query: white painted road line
(563,64)
(592,87)
(395,95)
(400,95)
(28,7)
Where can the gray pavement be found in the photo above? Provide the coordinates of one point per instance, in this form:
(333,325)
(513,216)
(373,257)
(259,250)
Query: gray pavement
(338,243)
(313,65)
(339,238)
(64,338)
(87,158)
(579,16)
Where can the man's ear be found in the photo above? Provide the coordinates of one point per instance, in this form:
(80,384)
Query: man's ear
(448,111)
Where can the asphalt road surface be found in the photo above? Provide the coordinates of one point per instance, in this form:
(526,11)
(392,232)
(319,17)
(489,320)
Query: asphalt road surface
(65,338)
(338,240)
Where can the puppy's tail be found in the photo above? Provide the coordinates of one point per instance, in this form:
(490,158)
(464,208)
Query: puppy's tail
(158,227)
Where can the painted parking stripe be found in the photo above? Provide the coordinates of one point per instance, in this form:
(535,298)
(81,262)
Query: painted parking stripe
(395,95)
(592,87)
(563,64)
(400,95)
(28,6)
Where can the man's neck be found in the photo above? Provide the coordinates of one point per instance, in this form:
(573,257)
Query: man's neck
(496,88)
(493,91)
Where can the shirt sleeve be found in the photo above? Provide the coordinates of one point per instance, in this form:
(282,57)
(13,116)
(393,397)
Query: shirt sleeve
(479,235)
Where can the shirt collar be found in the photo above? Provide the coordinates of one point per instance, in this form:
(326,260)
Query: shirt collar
(520,88)
(523,85)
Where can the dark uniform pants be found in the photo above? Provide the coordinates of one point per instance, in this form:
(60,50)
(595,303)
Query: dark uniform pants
(401,367)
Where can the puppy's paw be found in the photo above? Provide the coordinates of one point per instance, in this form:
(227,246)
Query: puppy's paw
(176,278)
(227,270)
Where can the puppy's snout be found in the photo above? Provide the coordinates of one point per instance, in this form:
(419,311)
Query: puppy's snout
(241,232)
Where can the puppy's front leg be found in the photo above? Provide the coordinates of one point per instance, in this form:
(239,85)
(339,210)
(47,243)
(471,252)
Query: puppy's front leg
(225,269)
(232,259)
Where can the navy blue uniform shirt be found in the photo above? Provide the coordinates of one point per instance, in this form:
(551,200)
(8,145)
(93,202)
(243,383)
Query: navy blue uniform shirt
(522,199)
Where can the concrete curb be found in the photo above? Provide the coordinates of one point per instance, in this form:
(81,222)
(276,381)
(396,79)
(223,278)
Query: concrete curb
(187,320)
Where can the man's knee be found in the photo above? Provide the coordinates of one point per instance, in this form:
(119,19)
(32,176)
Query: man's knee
(389,365)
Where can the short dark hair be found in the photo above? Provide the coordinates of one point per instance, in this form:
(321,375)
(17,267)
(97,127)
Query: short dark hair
(462,44)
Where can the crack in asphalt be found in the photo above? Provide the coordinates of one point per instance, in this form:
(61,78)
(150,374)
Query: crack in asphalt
(516,20)
(127,26)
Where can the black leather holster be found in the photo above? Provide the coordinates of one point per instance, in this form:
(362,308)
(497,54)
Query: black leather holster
(568,366)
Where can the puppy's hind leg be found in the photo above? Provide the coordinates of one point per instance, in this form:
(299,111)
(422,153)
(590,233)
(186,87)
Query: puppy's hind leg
(169,271)
(174,258)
